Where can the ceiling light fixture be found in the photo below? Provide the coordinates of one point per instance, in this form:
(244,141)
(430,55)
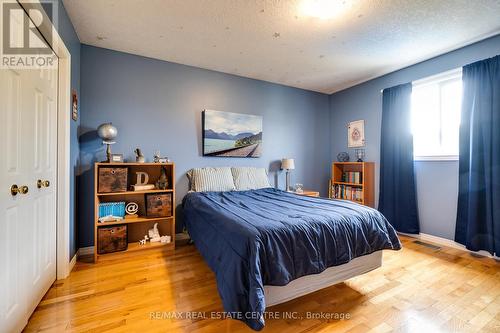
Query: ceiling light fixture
(324,9)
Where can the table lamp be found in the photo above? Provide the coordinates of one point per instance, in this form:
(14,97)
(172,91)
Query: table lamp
(287,164)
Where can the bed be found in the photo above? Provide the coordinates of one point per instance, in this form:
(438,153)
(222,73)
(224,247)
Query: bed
(267,246)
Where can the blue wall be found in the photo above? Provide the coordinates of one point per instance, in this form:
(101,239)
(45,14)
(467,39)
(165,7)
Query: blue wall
(67,32)
(437,203)
(157,105)
(144,97)
(437,189)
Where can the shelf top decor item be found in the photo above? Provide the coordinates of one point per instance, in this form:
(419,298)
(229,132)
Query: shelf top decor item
(227,134)
(108,133)
(360,154)
(356,134)
(343,157)
(139,157)
(158,159)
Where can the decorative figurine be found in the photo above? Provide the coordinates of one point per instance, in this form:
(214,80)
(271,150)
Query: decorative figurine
(162,183)
(144,240)
(139,157)
(142,178)
(107,132)
(154,234)
(141,183)
(158,159)
(165,239)
(131,209)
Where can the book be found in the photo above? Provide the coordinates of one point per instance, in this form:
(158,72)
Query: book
(353,177)
(143,187)
(347,192)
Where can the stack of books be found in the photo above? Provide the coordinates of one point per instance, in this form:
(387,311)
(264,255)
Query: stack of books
(111,211)
(146,187)
(352,177)
(347,193)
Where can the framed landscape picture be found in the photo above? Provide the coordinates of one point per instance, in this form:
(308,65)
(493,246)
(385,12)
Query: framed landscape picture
(227,134)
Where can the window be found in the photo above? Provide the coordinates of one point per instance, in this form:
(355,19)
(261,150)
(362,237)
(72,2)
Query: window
(436,107)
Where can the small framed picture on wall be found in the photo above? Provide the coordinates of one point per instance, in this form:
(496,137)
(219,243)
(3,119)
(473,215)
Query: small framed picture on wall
(74,105)
(356,134)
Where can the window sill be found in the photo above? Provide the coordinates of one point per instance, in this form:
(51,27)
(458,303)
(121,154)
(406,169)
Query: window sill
(442,158)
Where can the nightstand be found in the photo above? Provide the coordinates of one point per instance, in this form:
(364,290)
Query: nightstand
(308,193)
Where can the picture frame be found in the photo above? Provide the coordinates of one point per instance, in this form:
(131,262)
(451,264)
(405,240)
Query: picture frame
(74,105)
(116,158)
(228,134)
(356,134)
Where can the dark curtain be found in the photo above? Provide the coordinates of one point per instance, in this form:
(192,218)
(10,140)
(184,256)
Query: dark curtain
(397,198)
(478,213)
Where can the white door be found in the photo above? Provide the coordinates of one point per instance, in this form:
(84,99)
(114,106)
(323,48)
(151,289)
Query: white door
(28,145)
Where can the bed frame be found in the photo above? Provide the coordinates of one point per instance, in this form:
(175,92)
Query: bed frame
(332,275)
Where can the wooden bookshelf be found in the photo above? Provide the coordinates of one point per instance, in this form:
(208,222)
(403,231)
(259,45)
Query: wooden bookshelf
(136,227)
(364,188)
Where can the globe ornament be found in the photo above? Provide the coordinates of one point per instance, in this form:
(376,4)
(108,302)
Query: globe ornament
(107,132)
(343,157)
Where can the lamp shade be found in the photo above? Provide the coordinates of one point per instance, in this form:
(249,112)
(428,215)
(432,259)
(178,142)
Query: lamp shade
(287,164)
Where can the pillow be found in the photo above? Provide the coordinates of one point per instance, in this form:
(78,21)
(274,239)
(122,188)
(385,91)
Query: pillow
(189,174)
(211,179)
(249,178)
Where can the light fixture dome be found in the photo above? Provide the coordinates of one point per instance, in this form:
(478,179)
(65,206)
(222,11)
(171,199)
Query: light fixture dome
(323,9)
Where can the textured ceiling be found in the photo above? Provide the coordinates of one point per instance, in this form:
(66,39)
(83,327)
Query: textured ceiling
(277,41)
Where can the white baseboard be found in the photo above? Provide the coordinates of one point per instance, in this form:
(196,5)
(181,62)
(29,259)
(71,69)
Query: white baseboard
(83,251)
(449,243)
(72,262)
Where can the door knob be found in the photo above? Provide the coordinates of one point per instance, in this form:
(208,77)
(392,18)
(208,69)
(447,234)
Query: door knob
(42,183)
(14,189)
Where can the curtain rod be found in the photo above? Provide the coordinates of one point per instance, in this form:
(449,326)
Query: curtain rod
(451,72)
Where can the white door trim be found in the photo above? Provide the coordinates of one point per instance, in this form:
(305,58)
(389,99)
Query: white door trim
(63,137)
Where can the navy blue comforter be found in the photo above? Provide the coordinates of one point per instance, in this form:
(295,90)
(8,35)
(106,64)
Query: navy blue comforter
(271,237)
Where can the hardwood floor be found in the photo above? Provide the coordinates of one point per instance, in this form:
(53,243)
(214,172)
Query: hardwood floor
(417,289)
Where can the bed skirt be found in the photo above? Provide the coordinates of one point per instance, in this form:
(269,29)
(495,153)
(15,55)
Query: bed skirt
(332,275)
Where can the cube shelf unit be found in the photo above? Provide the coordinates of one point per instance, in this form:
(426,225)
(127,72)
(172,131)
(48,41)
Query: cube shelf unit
(137,227)
(366,185)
